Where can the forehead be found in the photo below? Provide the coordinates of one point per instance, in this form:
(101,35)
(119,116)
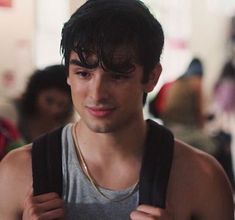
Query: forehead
(120,57)
(119,54)
(92,57)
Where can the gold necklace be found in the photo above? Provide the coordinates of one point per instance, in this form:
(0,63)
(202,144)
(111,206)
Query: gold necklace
(91,179)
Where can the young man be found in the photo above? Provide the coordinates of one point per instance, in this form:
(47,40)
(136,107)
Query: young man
(112,50)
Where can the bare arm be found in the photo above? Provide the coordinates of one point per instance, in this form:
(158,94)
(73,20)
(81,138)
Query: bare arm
(209,195)
(16,201)
(15,181)
(215,198)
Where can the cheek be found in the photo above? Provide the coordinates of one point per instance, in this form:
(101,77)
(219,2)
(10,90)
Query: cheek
(75,84)
(132,96)
(79,90)
(78,94)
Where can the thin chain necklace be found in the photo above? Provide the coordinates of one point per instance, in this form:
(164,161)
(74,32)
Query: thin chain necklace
(91,179)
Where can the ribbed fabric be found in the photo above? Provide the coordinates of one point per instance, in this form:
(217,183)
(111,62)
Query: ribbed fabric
(82,200)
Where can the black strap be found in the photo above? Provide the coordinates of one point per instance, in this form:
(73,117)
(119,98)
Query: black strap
(156,165)
(154,175)
(47,163)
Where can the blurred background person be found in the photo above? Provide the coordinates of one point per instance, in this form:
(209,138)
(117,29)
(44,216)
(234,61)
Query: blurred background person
(8,110)
(184,96)
(224,92)
(10,137)
(181,108)
(45,104)
(223,123)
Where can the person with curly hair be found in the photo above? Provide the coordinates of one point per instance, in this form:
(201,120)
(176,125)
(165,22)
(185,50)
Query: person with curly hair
(46,102)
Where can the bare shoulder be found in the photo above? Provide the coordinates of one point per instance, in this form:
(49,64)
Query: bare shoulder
(201,183)
(15,181)
(15,160)
(195,159)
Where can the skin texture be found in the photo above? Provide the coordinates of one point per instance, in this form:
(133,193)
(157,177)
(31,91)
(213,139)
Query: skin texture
(111,119)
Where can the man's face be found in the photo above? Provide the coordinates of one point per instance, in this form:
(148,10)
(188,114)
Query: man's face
(105,100)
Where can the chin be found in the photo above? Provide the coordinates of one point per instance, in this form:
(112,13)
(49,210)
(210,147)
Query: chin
(101,127)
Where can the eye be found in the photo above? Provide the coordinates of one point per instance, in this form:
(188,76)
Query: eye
(119,76)
(83,74)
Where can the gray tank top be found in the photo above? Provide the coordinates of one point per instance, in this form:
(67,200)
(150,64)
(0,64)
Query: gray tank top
(82,200)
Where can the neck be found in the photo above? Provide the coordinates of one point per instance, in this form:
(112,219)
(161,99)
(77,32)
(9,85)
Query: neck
(125,143)
(109,154)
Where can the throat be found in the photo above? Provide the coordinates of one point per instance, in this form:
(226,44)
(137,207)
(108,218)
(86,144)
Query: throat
(114,168)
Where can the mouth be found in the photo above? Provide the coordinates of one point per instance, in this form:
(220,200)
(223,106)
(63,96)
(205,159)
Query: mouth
(100,112)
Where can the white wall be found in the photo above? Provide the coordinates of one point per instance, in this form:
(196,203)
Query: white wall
(74,4)
(50,17)
(16,45)
(209,39)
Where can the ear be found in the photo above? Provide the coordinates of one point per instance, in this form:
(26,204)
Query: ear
(153,78)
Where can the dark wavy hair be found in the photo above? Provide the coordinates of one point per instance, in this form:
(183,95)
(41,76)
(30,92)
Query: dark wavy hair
(43,79)
(103,27)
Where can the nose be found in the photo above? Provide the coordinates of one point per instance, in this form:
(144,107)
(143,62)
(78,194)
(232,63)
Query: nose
(99,88)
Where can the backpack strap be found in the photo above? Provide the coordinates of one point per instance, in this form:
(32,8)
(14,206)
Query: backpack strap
(156,165)
(47,163)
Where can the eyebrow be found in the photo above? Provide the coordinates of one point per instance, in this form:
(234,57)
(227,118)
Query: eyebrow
(80,64)
(76,62)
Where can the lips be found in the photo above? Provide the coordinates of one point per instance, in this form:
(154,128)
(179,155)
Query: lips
(100,112)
